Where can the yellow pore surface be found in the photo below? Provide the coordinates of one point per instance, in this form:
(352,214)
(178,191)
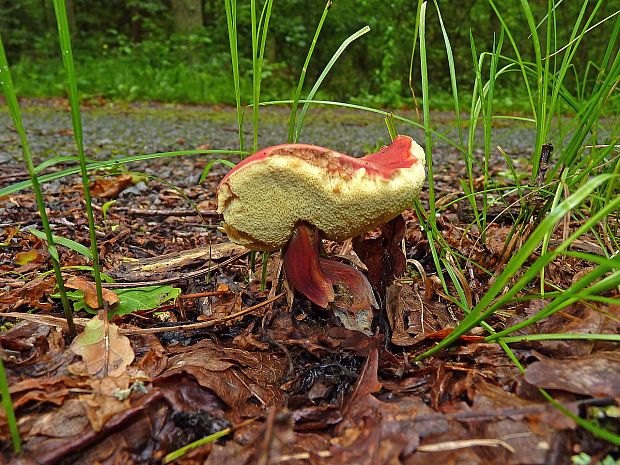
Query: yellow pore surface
(264,200)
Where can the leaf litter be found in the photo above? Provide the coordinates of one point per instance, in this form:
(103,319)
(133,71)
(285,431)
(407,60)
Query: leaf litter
(138,386)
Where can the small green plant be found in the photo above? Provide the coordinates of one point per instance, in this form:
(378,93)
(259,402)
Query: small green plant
(131,300)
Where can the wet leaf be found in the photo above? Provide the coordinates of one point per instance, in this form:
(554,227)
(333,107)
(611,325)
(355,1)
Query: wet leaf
(68,420)
(383,255)
(104,351)
(22,258)
(597,375)
(90,292)
(102,404)
(107,188)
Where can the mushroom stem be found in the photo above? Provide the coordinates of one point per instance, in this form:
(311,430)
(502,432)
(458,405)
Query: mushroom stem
(303,268)
(315,277)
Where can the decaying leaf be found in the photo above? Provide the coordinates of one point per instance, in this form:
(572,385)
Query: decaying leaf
(597,375)
(22,258)
(90,292)
(102,403)
(383,255)
(104,351)
(107,188)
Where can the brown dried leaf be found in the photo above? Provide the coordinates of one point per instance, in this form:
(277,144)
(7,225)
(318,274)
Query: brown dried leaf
(30,294)
(597,375)
(234,375)
(104,351)
(102,404)
(90,292)
(68,420)
(399,302)
(107,188)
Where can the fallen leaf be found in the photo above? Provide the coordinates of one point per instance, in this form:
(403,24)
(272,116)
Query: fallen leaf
(22,258)
(144,298)
(596,375)
(68,420)
(236,376)
(30,294)
(90,292)
(104,351)
(101,403)
(107,188)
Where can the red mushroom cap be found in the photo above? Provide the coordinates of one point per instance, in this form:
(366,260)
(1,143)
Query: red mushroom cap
(266,195)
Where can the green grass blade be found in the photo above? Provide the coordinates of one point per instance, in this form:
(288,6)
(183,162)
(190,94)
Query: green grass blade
(519,60)
(231,23)
(108,164)
(562,337)
(300,84)
(209,165)
(8,409)
(383,113)
(541,90)
(431,232)
(416,29)
(76,119)
(68,243)
(6,82)
(328,67)
(452,69)
(259,37)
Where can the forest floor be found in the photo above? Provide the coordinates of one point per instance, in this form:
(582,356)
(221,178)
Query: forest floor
(294,384)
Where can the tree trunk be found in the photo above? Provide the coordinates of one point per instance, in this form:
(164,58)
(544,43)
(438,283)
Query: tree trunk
(187,15)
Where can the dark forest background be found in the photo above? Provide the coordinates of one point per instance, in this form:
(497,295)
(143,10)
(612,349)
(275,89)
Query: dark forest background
(177,50)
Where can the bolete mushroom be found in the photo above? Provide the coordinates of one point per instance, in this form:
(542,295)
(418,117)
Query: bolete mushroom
(293,195)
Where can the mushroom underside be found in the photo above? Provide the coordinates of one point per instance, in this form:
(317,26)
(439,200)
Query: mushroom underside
(315,277)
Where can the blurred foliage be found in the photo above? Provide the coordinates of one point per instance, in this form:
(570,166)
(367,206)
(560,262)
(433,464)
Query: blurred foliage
(127,48)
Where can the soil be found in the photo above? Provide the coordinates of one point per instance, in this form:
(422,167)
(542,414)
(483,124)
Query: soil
(291,381)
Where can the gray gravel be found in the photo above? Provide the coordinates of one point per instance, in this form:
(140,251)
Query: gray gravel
(118,130)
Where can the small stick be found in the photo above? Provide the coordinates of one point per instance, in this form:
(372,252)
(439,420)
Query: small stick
(200,325)
(545,154)
(193,274)
(164,212)
(203,294)
(80,322)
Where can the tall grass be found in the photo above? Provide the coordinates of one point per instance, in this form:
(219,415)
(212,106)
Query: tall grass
(6,82)
(582,183)
(76,120)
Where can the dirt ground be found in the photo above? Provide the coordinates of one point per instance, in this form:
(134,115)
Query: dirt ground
(294,385)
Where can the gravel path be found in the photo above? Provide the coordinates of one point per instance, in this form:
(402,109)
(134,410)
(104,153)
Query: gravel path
(120,130)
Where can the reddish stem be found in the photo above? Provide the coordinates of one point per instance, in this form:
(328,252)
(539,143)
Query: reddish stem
(303,268)
(315,277)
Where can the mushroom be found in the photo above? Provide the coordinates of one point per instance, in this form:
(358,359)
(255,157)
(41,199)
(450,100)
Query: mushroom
(294,195)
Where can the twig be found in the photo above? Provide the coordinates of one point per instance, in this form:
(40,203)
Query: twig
(81,322)
(164,212)
(202,324)
(203,294)
(461,444)
(173,279)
